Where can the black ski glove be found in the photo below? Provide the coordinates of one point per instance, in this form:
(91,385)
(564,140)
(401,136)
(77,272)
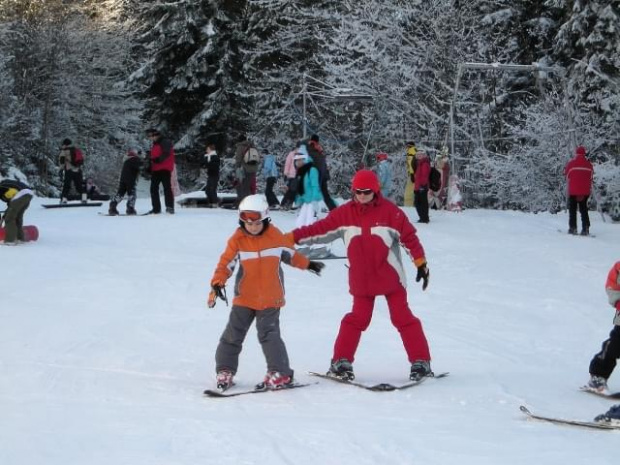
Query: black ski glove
(316,267)
(423,274)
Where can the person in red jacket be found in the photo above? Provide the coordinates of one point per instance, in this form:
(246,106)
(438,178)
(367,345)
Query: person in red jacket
(579,172)
(373,229)
(161,167)
(422,173)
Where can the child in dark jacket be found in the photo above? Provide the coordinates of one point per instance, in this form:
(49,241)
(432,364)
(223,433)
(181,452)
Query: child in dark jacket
(259,248)
(127,184)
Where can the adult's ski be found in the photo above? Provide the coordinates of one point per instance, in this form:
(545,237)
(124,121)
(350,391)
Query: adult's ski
(256,390)
(381,387)
(562,421)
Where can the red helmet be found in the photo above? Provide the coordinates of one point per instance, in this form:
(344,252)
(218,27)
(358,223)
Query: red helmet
(381,156)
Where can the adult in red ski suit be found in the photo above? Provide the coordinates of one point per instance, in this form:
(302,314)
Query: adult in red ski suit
(578,172)
(373,229)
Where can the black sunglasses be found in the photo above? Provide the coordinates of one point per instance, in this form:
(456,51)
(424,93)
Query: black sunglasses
(363,191)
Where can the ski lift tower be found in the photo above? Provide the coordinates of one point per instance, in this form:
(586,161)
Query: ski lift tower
(315,88)
(533,68)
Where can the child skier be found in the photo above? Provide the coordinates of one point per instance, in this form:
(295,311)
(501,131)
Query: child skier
(259,248)
(603,363)
(373,230)
(127,184)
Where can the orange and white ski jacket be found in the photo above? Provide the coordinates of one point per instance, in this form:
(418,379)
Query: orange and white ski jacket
(259,283)
(612,286)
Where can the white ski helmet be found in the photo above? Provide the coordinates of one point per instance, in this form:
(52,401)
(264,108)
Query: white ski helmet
(255,203)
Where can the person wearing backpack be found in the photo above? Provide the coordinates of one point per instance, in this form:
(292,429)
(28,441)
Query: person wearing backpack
(421,186)
(247,161)
(71,160)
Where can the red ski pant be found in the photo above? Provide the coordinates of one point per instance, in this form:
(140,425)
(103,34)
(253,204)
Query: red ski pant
(358,320)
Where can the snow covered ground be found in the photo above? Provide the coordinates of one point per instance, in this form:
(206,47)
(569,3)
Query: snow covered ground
(106,345)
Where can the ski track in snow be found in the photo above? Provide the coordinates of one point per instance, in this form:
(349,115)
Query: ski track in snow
(106,346)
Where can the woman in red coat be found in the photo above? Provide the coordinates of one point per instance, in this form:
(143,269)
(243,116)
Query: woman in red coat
(373,230)
(579,174)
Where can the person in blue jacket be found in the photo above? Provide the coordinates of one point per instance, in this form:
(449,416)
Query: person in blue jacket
(308,190)
(270,173)
(384,173)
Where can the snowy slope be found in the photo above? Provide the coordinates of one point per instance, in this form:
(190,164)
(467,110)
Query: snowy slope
(106,345)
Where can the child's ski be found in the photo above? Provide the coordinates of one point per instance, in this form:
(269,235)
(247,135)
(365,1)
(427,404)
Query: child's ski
(256,390)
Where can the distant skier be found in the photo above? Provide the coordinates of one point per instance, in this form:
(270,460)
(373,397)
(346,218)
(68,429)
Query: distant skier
(410,166)
(308,188)
(127,184)
(17,196)
(161,164)
(373,230)
(211,163)
(579,172)
(421,187)
(384,172)
(259,248)
(270,173)
(71,160)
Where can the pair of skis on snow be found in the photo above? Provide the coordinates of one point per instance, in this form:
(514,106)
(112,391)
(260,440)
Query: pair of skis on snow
(381,387)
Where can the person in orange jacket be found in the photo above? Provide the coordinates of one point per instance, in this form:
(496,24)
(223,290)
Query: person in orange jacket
(259,248)
(604,362)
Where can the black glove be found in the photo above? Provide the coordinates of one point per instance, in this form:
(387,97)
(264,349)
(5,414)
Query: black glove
(316,267)
(424,275)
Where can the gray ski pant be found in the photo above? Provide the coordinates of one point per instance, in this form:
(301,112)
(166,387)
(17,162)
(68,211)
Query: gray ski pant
(268,331)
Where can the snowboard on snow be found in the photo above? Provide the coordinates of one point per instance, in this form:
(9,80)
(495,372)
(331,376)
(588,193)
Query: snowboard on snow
(606,395)
(562,421)
(75,204)
(31,233)
(381,387)
(257,390)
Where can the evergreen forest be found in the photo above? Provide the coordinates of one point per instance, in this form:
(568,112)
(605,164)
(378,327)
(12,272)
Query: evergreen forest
(508,87)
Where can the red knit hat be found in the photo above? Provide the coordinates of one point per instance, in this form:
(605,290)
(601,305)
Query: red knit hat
(365,179)
(581,150)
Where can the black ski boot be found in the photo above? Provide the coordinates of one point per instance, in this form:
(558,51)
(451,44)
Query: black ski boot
(341,369)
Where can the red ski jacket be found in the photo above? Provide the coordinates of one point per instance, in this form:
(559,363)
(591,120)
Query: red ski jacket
(373,234)
(422,173)
(162,155)
(578,174)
